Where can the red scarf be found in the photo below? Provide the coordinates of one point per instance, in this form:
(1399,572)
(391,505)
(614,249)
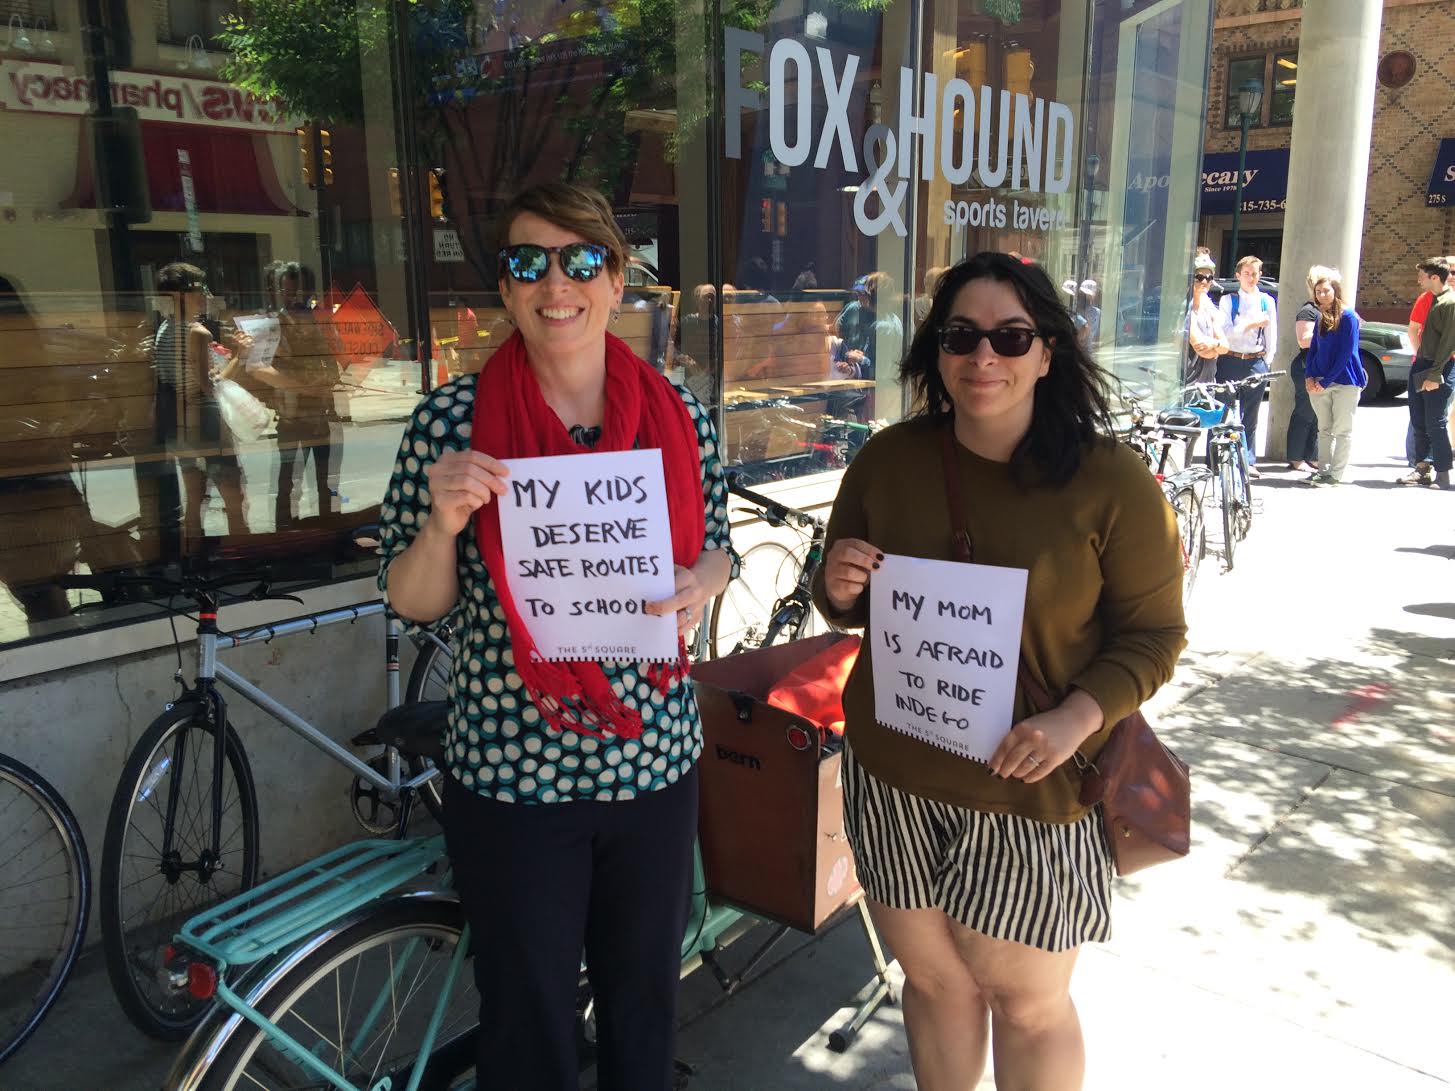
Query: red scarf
(512,420)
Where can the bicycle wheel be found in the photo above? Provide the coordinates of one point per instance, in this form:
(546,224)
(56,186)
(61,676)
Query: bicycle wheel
(742,613)
(45,898)
(429,680)
(1227,497)
(164,802)
(360,1004)
(1192,534)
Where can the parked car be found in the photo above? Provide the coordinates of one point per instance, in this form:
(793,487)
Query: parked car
(1384,347)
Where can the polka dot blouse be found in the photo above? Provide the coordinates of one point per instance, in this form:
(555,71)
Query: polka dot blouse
(497,743)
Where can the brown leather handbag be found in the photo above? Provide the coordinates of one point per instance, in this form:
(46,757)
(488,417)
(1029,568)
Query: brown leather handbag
(1144,789)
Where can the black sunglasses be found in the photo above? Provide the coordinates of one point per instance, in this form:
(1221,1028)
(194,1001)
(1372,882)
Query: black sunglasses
(528,263)
(1202,278)
(1005,341)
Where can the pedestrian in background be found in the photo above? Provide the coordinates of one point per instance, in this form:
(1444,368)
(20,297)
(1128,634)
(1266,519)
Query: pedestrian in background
(1430,278)
(1252,318)
(1333,373)
(1302,440)
(1207,333)
(1431,387)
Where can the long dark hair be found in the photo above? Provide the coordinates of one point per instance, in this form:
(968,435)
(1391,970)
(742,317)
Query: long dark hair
(1070,411)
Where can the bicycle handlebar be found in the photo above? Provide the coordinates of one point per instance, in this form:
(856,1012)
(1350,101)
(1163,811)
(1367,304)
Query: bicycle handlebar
(774,511)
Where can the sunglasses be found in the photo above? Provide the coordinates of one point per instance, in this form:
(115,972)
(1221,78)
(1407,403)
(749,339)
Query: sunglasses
(1202,278)
(1005,341)
(528,263)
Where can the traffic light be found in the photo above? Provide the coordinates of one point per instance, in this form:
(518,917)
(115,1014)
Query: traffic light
(765,215)
(305,155)
(325,142)
(396,202)
(436,177)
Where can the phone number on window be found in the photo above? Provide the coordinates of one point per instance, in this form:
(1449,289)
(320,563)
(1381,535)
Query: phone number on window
(1269,205)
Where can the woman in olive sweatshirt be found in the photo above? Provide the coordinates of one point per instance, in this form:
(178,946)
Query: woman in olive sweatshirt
(986,878)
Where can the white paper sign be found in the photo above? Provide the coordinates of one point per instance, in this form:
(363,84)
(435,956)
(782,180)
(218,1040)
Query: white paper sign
(946,648)
(587,545)
(266,335)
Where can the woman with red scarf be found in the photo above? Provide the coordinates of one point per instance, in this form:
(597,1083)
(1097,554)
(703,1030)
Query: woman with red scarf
(571,795)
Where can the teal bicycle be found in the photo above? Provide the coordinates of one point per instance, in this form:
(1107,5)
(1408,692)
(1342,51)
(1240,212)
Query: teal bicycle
(349,972)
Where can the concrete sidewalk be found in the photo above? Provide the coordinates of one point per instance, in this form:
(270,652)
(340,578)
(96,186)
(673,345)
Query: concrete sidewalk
(1310,939)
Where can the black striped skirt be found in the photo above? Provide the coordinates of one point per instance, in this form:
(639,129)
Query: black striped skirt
(1044,884)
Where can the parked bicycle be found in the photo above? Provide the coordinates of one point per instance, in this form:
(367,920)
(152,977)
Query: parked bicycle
(1227,454)
(183,829)
(744,616)
(1163,443)
(45,899)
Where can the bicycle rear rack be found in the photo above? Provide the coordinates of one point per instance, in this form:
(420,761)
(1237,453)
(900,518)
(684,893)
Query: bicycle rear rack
(293,906)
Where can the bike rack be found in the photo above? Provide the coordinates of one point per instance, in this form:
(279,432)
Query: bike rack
(289,908)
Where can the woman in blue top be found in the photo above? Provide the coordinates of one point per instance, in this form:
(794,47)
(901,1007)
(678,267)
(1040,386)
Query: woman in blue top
(571,799)
(1333,374)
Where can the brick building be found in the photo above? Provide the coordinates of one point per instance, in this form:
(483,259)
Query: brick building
(1414,127)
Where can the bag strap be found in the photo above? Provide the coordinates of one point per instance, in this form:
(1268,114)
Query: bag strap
(965,551)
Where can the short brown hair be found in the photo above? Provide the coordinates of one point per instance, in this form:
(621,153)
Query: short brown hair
(1249,260)
(180,277)
(1435,267)
(573,208)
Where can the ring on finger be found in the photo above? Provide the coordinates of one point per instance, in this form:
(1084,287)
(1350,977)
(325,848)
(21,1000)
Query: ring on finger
(1033,760)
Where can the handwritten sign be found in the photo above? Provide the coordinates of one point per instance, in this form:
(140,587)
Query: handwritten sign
(266,334)
(587,545)
(946,647)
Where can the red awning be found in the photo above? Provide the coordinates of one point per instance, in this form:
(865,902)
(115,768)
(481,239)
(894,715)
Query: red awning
(231,171)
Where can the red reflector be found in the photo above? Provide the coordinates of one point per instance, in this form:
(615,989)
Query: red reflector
(168,953)
(201,980)
(798,738)
(1160,477)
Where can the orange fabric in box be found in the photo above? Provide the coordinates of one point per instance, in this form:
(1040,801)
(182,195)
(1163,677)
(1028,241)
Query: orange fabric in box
(815,688)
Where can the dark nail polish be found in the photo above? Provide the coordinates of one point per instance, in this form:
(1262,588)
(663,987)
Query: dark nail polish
(881,556)
(876,564)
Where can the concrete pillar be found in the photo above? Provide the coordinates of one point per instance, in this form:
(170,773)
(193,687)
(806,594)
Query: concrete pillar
(1328,168)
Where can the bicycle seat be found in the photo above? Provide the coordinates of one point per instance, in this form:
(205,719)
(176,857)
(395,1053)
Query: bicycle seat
(415,730)
(1180,418)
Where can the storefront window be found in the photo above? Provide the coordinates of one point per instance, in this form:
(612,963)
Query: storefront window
(230,269)
(203,335)
(867,149)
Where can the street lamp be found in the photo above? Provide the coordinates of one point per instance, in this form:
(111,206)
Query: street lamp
(1250,99)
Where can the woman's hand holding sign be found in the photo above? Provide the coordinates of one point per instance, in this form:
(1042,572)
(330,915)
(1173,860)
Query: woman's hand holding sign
(1040,744)
(460,483)
(695,588)
(846,571)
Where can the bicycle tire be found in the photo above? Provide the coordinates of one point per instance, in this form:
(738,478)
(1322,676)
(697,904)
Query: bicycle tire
(250,1060)
(1192,535)
(1226,490)
(773,569)
(1243,484)
(429,680)
(749,597)
(38,841)
(135,948)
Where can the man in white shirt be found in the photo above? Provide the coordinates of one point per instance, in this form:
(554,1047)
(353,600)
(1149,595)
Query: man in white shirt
(1252,330)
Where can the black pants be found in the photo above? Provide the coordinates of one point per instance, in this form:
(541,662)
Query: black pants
(1303,427)
(542,882)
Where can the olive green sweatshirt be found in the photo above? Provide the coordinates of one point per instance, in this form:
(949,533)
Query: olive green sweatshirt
(1103,599)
